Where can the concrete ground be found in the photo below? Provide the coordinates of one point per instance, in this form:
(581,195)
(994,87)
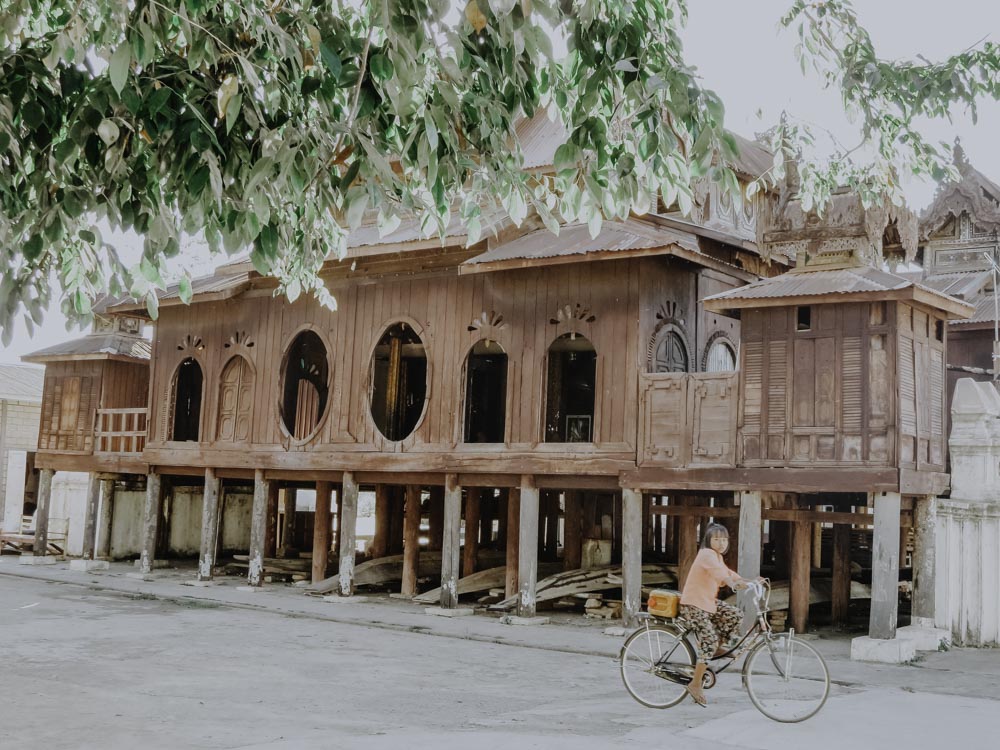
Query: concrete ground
(105,661)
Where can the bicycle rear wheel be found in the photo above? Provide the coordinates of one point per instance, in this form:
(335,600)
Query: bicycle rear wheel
(786,679)
(656,664)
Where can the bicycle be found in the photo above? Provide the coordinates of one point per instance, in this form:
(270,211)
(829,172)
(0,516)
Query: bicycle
(786,678)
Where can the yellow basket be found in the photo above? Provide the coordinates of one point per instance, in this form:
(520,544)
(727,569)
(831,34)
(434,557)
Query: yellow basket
(663,603)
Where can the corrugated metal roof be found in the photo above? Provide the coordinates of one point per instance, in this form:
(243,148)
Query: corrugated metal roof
(983,313)
(753,160)
(818,282)
(575,239)
(540,137)
(21,383)
(95,346)
(963,284)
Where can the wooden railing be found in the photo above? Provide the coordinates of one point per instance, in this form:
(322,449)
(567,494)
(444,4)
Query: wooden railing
(120,430)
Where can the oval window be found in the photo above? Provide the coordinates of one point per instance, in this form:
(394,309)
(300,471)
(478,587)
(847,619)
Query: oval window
(306,385)
(399,382)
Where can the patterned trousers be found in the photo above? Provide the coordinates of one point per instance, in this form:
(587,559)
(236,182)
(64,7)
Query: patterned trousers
(712,628)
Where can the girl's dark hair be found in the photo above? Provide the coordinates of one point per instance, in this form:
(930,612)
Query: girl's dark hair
(713,530)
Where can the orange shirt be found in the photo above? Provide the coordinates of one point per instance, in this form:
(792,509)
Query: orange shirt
(707,574)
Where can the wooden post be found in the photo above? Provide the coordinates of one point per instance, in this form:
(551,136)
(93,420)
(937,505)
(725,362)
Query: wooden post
(411,541)
(340,522)
(288,526)
(513,540)
(450,546)
(321,531)
(383,510)
(732,556)
(840,600)
(209,525)
(924,521)
(631,556)
(150,521)
(647,522)
(672,531)
(258,527)
(106,518)
(90,516)
(801,564)
(527,563)
(502,515)
(749,543)
(396,520)
(42,512)
(487,508)
(885,565)
(271,529)
(572,532)
(348,532)
(435,518)
(687,544)
(817,545)
(471,549)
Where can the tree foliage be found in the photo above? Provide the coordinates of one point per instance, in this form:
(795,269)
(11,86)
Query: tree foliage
(274,126)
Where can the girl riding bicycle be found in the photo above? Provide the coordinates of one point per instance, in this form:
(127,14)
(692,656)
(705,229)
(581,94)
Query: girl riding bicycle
(713,621)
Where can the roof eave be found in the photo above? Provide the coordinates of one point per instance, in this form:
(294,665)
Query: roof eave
(42,359)
(952,307)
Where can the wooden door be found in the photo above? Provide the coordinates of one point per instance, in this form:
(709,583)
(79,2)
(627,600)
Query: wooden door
(236,401)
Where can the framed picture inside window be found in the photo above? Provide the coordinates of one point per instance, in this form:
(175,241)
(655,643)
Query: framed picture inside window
(578,428)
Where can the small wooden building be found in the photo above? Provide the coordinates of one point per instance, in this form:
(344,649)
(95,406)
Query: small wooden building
(620,389)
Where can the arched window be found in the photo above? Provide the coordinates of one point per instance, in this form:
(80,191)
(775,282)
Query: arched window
(236,400)
(306,385)
(721,356)
(399,381)
(569,402)
(187,401)
(485,393)
(670,354)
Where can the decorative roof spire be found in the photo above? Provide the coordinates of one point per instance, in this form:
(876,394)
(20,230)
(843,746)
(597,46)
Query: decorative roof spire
(961,161)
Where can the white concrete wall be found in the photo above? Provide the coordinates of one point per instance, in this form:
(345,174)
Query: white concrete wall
(967,575)
(69,501)
(18,432)
(184,538)
(126,523)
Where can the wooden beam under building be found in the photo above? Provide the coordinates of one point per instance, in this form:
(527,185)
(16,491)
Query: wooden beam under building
(321,531)
(411,541)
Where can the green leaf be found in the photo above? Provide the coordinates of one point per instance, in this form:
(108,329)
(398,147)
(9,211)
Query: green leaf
(119,67)
(184,290)
(149,272)
(381,67)
(32,114)
(331,58)
(233,111)
(158,100)
(33,247)
(567,158)
(152,304)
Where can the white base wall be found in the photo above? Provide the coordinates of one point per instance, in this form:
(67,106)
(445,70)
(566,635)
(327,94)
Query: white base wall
(69,501)
(967,581)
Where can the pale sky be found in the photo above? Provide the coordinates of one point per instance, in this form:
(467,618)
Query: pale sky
(739,51)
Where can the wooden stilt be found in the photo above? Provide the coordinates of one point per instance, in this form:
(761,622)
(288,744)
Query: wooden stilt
(841,595)
(340,522)
(502,515)
(487,508)
(396,518)
(271,527)
(450,551)
(658,521)
(572,531)
(150,521)
(631,556)
(321,531)
(885,565)
(527,564)
(616,525)
(209,526)
(749,544)
(471,549)
(435,518)
(552,513)
(817,545)
(673,532)
(383,512)
(104,525)
(732,556)
(44,501)
(801,563)
(687,543)
(411,541)
(348,531)
(90,516)
(924,522)
(258,528)
(288,548)
(513,540)
(647,523)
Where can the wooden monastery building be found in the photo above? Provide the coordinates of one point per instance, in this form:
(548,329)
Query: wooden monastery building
(536,402)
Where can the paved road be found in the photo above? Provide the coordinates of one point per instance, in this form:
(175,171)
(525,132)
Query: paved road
(86,669)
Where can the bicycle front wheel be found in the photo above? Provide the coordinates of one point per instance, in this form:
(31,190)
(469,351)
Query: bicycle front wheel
(786,679)
(656,664)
